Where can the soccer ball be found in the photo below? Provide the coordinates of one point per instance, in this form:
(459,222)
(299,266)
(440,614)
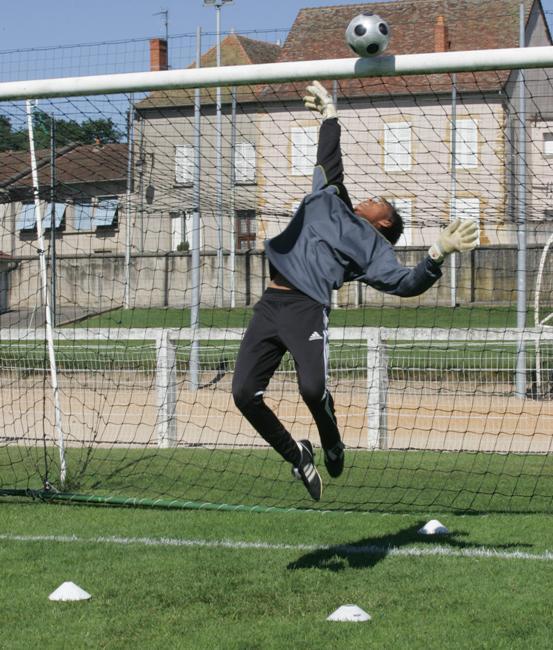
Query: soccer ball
(368,34)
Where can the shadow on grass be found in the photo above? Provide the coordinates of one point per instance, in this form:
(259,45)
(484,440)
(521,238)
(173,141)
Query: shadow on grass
(367,552)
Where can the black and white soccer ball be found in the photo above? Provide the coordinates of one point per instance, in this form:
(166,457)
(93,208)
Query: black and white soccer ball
(368,34)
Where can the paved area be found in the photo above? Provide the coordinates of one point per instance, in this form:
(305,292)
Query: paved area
(33,318)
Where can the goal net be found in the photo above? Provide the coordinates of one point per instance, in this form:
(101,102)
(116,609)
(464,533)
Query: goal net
(132,220)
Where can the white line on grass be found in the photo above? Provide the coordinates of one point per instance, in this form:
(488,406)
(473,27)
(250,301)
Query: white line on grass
(339,549)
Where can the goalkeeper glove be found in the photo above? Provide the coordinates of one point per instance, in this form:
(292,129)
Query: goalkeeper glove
(319,99)
(459,237)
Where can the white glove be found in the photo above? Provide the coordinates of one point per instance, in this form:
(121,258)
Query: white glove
(459,237)
(319,99)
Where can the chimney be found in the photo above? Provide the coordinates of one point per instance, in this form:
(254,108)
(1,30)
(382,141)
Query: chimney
(158,54)
(440,35)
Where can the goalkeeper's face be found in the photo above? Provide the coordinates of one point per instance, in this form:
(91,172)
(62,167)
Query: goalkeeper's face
(376,211)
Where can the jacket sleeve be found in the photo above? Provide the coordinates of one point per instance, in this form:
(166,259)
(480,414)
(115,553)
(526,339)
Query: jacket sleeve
(329,169)
(385,273)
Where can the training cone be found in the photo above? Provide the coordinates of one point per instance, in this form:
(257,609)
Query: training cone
(69,591)
(349,613)
(433,527)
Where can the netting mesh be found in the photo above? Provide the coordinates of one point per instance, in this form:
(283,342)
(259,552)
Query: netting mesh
(435,413)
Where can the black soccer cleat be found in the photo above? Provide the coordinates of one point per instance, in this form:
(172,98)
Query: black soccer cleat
(334,459)
(307,472)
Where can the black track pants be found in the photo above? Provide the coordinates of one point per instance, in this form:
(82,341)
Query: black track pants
(285,320)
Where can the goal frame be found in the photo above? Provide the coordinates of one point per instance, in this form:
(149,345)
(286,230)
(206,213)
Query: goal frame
(335,69)
(239,75)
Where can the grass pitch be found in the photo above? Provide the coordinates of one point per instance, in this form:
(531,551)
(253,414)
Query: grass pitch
(419,316)
(176,579)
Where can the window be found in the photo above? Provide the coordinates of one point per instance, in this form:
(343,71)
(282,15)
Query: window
(466,144)
(548,144)
(244,163)
(82,216)
(189,227)
(105,213)
(26,217)
(182,230)
(178,241)
(397,146)
(467,208)
(184,164)
(405,209)
(59,213)
(245,230)
(304,150)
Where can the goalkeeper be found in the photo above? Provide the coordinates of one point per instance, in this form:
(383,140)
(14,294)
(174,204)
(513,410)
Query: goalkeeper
(328,242)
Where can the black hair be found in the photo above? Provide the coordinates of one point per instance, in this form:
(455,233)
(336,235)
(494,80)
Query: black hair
(394,231)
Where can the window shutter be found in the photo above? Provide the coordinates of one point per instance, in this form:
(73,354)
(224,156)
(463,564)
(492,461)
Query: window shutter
(466,144)
(244,162)
(184,163)
(397,146)
(304,150)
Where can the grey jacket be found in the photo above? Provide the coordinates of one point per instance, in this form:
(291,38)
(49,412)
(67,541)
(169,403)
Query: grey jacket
(326,244)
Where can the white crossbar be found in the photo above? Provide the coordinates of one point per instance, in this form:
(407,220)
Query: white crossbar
(237,75)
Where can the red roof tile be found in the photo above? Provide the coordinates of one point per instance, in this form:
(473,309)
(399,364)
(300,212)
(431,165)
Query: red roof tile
(319,33)
(74,164)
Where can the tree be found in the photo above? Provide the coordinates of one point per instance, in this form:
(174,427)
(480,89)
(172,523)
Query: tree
(89,131)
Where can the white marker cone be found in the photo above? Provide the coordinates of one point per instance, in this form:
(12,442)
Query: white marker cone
(69,591)
(349,613)
(433,527)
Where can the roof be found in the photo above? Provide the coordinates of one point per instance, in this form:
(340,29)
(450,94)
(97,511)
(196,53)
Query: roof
(235,50)
(75,164)
(470,25)
(318,33)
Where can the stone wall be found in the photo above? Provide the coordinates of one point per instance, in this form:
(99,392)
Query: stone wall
(97,284)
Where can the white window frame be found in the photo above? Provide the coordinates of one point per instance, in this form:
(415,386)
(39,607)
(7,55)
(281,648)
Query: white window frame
(188,227)
(184,164)
(105,212)
(59,212)
(466,144)
(398,139)
(177,229)
(26,218)
(304,150)
(467,208)
(182,222)
(548,145)
(86,209)
(405,208)
(244,163)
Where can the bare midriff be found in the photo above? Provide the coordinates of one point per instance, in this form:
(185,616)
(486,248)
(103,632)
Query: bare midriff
(280,282)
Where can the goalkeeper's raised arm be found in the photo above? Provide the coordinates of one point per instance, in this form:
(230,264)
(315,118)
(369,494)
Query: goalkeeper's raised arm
(329,169)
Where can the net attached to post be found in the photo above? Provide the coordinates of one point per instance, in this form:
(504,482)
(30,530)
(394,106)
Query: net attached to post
(154,234)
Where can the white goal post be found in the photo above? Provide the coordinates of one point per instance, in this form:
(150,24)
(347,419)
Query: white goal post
(403,64)
(376,341)
(542,320)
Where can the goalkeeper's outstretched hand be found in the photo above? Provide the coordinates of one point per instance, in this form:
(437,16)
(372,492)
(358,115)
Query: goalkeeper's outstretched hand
(459,237)
(319,99)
